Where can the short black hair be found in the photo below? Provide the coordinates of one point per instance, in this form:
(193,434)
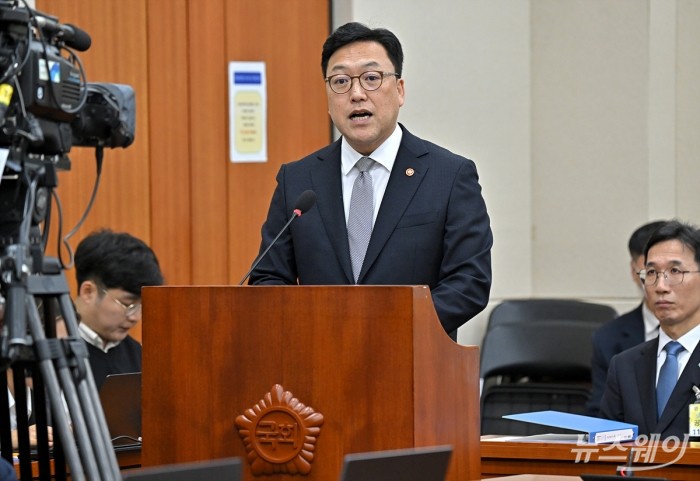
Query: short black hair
(638,239)
(685,233)
(117,260)
(356,32)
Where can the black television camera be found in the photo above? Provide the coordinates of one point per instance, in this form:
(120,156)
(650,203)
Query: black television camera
(50,106)
(47,107)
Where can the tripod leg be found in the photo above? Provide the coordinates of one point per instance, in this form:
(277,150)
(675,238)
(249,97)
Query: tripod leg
(21,417)
(5,430)
(60,419)
(90,400)
(41,418)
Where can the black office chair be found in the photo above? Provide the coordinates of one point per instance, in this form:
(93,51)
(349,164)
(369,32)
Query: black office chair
(534,366)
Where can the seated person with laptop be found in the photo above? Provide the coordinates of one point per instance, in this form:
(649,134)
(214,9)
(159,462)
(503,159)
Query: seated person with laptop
(111,268)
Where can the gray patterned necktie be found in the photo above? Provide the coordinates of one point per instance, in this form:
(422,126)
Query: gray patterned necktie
(361,215)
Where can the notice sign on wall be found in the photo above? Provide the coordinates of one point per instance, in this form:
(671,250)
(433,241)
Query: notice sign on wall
(247,111)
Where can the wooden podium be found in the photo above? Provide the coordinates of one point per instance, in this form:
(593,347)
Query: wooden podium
(310,372)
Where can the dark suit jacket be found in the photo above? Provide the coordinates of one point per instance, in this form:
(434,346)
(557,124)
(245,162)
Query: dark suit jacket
(432,229)
(630,394)
(612,338)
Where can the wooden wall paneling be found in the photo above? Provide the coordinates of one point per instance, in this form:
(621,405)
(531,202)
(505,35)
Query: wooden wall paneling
(175,187)
(116,56)
(208,103)
(288,36)
(169,123)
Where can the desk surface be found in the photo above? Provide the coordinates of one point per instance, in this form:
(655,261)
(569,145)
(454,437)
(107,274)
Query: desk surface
(537,477)
(666,460)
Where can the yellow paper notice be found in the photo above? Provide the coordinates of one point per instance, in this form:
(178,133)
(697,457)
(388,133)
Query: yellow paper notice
(248,107)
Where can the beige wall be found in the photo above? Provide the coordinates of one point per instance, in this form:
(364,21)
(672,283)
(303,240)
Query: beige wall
(582,117)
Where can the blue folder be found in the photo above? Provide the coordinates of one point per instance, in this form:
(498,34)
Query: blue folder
(595,430)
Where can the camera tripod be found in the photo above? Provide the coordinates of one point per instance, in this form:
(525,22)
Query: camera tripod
(64,389)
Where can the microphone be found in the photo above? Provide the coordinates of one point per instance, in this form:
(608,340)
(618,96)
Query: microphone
(627,471)
(71,35)
(75,37)
(306,201)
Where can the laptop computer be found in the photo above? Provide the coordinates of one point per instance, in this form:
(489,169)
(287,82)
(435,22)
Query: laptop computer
(225,469)
(120,396)
(413,464)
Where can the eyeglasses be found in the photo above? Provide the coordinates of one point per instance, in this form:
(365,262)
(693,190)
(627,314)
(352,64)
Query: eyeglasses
(342,83)
(129,310)
(672,276)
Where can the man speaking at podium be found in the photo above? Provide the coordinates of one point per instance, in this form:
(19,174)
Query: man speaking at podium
(392,209)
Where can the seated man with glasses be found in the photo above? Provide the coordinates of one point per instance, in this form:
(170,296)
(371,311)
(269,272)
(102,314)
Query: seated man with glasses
(653,384)
(629,329)
(111,268)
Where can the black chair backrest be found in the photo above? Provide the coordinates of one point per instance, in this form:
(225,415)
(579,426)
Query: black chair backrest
(525,310)
(553,350)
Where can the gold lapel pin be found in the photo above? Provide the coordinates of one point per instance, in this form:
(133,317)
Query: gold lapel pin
(410,172)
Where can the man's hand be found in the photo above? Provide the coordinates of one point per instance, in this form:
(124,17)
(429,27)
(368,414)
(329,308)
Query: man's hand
(32,436)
